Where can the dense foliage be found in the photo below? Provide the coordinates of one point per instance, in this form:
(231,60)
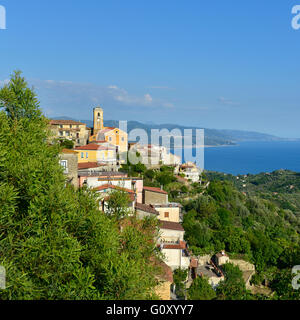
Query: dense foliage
(248,225)
(201,290)
(54,241)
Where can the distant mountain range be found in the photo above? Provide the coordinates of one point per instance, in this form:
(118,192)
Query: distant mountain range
(213,137)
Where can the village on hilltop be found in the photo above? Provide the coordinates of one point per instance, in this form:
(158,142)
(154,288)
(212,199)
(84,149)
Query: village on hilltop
(95,162)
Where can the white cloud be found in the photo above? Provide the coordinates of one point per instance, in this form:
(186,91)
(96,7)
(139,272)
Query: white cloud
(148,98)
(72,98)
(228,102)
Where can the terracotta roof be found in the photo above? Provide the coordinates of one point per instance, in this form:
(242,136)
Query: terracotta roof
(152,189)
(111,186)
(171,225)
(68,151)
(93,146)
(181,245)
(88,165)
(56,122)
(146,208)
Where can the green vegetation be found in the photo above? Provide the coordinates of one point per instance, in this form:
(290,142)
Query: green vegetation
(179,278)
(201,290)
(233,287)
(54,241)
(249,222)
(66,144)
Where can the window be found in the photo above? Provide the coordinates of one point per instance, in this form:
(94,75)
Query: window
(61,133)
(82,155)
(110,138)
(123,139)
(61,126)
(70,126)
(87,155)
(67,133)
(167,215)
(64,164)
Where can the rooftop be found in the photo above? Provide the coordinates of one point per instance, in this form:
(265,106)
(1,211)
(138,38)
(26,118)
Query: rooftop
(101,174)
(111,186)
(153,189)
(68,151)
(171,225)
(146,208)
(57,122)
(168,205)
(180,246)
(89,165)
(93,146)
(206,271)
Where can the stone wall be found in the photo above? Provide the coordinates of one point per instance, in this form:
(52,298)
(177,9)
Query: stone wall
(247,268)
(150,197)
(174,213)
(203,260)
(72,167)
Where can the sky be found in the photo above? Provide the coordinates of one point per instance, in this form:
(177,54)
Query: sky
(215,64)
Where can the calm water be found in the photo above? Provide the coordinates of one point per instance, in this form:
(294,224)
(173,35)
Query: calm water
(254,157)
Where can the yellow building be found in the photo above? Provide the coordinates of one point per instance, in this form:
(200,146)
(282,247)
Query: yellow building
(96,153)
(70,130)
(114,136)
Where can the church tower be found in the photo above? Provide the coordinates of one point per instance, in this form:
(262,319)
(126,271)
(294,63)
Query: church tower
(98,120)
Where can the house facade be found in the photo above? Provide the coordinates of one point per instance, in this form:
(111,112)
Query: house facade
(96,153)
(69,161)
(70,130)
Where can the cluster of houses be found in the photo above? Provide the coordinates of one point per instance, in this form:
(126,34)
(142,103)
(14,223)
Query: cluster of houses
(94,163)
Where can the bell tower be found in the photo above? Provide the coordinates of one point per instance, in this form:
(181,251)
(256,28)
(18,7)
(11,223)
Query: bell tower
(98,120)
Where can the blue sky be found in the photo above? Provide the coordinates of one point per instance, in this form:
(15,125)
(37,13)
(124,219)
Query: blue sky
(217,64)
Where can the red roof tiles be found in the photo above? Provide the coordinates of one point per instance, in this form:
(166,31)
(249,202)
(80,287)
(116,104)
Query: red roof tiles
(180,246)
(69,151)
(93,146)
(171,225)
(152,189)
(88,165)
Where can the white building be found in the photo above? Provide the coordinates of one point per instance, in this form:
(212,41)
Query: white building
(155,155)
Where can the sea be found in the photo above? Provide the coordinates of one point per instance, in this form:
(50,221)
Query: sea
(253,157)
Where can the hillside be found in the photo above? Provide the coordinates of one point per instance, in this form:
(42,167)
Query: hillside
(253,218)
(213,137)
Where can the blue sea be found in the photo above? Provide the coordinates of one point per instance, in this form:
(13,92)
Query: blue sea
(254,157)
